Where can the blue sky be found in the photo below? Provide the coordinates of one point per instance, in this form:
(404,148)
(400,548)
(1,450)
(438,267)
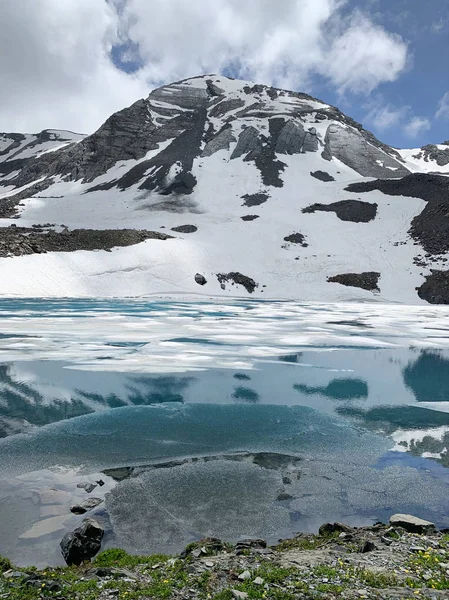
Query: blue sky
(71,64)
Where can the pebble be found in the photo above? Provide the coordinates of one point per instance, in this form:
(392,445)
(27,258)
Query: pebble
(245,575)
(258,581)
(239,595)
(209,564)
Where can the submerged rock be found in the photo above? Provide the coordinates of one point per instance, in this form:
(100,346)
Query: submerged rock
(90,504)
(83,543)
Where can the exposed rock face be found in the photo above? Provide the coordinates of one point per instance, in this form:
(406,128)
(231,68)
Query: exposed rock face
(83,543)
(347,210)
(431,153)
(412,524)
(248,142)
(435,289)
(366,281)
(291,138)
(249,217)
(354,150)
(431,227)
(179,116)
(221,141)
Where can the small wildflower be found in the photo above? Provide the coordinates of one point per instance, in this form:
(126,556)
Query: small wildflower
(166,581)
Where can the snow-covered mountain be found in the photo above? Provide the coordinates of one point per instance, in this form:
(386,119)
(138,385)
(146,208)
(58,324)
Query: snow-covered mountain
(221,187)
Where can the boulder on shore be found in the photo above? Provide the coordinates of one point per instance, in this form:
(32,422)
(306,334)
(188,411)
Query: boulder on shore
(412,524)
(83,543)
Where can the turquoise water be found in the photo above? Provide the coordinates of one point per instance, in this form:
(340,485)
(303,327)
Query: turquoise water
(351,400)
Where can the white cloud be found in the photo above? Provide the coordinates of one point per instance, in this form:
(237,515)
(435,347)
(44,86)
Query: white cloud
(384,117)
(54,66)
(56,71)
(416,126)
(443,107)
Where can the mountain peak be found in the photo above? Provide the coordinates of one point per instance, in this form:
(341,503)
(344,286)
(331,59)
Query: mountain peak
(257,186)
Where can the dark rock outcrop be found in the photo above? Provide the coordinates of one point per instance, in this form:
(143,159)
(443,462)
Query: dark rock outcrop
(431,152)
(249,217)
(366,281)
(239,279)
(83,543)
(347,210)
(435,289)
(322,176)
(19,241)
(296,238)
(185,229)
(255,199)
(200,279)
(431,227)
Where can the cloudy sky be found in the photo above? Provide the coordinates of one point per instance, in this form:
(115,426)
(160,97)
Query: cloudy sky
(68,64)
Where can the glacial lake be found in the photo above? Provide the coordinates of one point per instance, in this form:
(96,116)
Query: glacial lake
(217,418)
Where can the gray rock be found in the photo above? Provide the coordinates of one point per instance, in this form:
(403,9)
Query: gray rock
(353,149)
(431,152)
(213,89)
(259,581)
(245,575)
(248,141)
(221,141)
(89,504)
(311,142)
(291,138)
(89,487)
(412,524)
(226,106)
(367,546)
(83,543)
(329,528)
(239,595)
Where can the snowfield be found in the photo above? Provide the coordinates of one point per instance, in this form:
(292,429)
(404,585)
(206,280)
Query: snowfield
(223,242)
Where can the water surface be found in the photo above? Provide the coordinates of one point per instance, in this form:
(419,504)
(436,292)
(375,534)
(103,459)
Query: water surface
(348,402)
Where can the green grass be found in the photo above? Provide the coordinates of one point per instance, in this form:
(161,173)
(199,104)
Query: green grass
(5,564)
(115,557)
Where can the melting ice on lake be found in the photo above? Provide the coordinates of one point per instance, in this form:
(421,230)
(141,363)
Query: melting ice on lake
(278,416)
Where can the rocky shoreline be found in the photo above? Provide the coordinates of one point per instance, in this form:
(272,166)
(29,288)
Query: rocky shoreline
(407,558)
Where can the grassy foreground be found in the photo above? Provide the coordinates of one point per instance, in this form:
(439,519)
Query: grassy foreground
(309,566)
